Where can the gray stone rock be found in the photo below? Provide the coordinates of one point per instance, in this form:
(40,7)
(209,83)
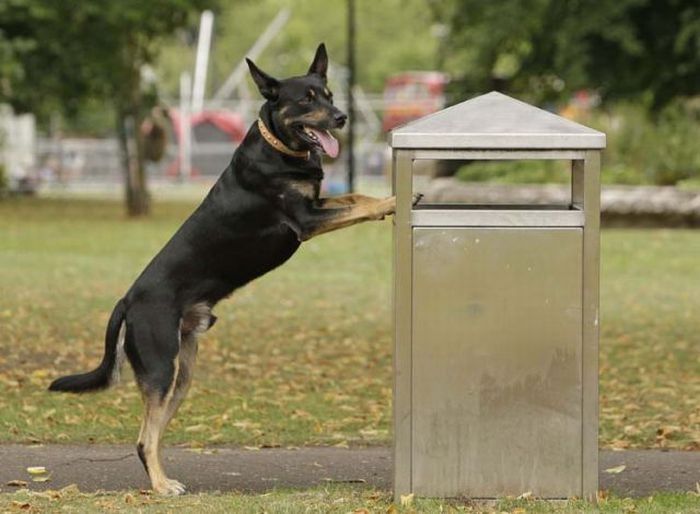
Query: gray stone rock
(620,205)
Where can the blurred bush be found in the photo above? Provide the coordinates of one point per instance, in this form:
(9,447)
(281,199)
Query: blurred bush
(659,149)
(4,182)
(515,172)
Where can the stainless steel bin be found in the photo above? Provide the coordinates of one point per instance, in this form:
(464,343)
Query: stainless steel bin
(496,315)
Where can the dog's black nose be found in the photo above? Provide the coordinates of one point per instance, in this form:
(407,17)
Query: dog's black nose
(340,119)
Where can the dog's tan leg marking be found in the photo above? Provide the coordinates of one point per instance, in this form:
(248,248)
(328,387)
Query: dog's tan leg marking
(345,200)
(195,321)
(152,428)
(187,357)
(363,209)
(159,412)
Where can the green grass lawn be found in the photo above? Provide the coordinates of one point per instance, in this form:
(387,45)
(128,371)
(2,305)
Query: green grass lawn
(303,355)
(338,499)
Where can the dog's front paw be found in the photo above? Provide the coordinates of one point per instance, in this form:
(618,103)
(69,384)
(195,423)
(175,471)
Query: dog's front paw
(385,207)
(169,487)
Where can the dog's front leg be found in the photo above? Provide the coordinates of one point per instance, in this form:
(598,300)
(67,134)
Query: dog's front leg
(351,199)
(344,200)
(335,213)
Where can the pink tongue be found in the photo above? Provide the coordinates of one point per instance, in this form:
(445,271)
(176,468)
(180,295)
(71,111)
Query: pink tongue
(328,142)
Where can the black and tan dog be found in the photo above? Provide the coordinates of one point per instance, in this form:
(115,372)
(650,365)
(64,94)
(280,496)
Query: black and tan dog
(254,218)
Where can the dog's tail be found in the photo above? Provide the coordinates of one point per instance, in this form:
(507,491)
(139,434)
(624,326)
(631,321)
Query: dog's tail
(103,376)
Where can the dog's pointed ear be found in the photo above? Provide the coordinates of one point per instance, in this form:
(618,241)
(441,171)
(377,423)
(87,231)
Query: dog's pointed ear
(320,64)
(267,85)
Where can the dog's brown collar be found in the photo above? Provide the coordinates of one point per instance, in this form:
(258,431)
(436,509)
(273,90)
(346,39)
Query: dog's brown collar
(279,145)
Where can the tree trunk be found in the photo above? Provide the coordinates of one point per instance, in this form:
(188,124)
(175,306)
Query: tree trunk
(130,115)
(138,201)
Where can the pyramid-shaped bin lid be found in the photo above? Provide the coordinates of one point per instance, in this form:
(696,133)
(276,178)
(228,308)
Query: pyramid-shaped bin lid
(495,121)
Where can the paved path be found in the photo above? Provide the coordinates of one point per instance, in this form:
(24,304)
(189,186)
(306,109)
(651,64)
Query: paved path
(224,469)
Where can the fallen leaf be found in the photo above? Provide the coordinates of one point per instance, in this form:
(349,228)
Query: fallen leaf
(619,444)
(36,470)
(525,495)
(667,430)
(406,500)
(631,430)
(345,481)
(201,451)
(69,490)
(45,478)
(21,505)
(17,483)
(616,469)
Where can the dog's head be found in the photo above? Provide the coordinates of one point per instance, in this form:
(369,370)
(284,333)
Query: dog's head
(302,108)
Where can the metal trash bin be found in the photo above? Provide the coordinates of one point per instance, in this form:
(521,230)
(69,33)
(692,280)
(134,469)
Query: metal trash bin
(496,314)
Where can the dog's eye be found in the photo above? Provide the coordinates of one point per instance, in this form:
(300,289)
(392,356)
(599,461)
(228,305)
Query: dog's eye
(308,98)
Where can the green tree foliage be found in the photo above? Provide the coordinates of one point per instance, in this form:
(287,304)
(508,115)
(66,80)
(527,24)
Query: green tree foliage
(646,50)
(57,55)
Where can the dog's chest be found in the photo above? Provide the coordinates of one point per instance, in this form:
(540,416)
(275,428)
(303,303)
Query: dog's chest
(305,188)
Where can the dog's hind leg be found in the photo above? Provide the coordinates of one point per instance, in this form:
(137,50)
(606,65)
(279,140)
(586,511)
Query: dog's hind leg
(153,347)
(196,320)
(148,447)
(186,360)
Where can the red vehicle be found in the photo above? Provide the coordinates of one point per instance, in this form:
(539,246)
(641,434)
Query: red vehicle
(411,95)
(215,135)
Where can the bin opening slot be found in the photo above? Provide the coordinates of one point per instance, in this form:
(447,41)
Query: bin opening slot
(542,184)
(496,207)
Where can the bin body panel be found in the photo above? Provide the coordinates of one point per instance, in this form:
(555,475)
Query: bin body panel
(496,356)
